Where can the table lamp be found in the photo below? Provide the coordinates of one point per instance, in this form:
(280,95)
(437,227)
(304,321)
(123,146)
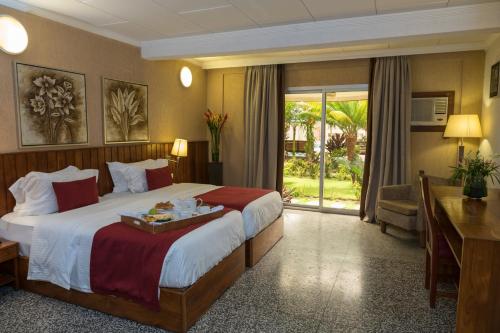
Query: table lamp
(179,149)
(463,126)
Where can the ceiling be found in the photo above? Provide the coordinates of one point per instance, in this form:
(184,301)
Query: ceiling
(227,33)
(145,20)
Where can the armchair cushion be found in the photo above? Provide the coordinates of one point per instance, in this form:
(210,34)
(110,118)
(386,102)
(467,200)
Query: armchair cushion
(402,221)
(404,207)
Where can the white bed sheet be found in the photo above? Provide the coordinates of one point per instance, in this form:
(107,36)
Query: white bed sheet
(257,215)
(19,229)
(62,242)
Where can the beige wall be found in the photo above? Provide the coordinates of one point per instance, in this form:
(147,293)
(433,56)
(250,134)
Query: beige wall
(461,72)
(327,73)
(225,89)
(173,110)
(490,118)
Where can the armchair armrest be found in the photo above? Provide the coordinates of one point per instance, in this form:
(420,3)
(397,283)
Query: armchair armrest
(395,192)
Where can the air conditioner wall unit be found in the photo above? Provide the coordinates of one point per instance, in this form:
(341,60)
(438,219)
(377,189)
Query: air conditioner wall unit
(429,111)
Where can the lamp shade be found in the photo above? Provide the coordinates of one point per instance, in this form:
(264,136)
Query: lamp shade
(180,148)
(463,126)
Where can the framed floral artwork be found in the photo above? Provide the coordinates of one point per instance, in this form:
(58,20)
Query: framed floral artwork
(52,107)
(125,106)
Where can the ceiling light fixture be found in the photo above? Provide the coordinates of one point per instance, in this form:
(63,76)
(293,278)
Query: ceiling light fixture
(186,77)
(13,35)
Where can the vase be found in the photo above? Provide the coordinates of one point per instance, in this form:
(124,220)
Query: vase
(63,134)
(215,143)
(475,187)
(215,173)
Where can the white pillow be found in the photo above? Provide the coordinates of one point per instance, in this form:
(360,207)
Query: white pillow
(135,175)
(17,189)
(39,196)
(119,181)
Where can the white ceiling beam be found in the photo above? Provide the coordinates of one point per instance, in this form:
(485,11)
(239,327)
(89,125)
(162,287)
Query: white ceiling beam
(256,60)
(329,33)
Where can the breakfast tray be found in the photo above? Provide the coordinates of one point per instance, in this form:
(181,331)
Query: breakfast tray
(140,224)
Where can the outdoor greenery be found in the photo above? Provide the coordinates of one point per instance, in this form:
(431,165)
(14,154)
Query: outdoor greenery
(307,189)
(343,165)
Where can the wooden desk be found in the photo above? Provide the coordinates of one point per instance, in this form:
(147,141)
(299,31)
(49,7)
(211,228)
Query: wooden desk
(472,229)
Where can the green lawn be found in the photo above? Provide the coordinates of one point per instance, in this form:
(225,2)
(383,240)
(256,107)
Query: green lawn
(333,189)
(337,193)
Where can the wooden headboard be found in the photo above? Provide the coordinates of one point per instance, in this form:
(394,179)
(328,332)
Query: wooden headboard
(192,168)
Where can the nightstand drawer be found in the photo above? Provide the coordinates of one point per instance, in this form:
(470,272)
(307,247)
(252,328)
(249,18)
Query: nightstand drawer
(8,253)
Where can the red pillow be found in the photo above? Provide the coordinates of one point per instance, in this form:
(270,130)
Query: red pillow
(76,194)
(158,178)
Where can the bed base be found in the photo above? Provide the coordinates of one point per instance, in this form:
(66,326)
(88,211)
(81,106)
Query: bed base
(258,246)
(179,308)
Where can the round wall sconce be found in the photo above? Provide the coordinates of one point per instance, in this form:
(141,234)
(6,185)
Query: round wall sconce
(186,77)
(13,36)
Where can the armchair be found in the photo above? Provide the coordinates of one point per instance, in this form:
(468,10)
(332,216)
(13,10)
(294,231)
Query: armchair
(398,205)
(402,206)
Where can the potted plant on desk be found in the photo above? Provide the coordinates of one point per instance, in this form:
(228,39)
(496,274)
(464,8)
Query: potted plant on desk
(215,122)
(473,172)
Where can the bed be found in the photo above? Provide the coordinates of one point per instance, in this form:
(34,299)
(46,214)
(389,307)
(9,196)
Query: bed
(262,218)
(55,255)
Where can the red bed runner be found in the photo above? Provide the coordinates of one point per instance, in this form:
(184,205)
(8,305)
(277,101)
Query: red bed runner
(233,197)
(127,262)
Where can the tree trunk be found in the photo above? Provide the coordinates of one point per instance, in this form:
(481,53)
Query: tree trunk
(350,141)
(309,142)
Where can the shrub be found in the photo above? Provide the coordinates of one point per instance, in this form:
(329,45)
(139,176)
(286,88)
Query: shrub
(350,169)
(335,141)
(357,190)
(296,167)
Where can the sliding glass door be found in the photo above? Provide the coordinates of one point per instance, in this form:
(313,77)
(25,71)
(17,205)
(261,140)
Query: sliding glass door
(303,135)
(325,142)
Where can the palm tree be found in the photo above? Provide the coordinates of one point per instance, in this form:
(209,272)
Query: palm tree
(293,120)
(308,118)
(349,117)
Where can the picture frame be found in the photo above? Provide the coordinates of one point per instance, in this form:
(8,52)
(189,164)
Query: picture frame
(125,111)
(51,106)
(495,73)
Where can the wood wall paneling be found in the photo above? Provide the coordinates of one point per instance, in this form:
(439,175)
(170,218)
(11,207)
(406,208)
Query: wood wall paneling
(13,166)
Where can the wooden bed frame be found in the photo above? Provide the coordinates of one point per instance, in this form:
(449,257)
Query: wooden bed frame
(180,308)
(258,246)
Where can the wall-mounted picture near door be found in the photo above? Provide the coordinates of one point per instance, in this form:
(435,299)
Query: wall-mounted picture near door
(125,107)
(52,108)
(495,73)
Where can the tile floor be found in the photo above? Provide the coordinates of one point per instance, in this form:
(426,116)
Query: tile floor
(330,273)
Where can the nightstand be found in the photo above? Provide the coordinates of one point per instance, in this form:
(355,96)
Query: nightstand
(9,253)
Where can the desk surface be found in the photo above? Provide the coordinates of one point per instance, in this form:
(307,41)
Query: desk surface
(472,229)
(473,219)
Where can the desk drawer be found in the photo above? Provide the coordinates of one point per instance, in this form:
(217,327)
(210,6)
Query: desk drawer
(8,253)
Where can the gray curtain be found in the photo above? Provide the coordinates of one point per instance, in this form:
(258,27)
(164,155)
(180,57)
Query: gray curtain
(388,148)
(262,95)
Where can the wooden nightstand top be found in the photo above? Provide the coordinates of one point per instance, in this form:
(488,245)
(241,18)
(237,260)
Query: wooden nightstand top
(6,244)
(8,251)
